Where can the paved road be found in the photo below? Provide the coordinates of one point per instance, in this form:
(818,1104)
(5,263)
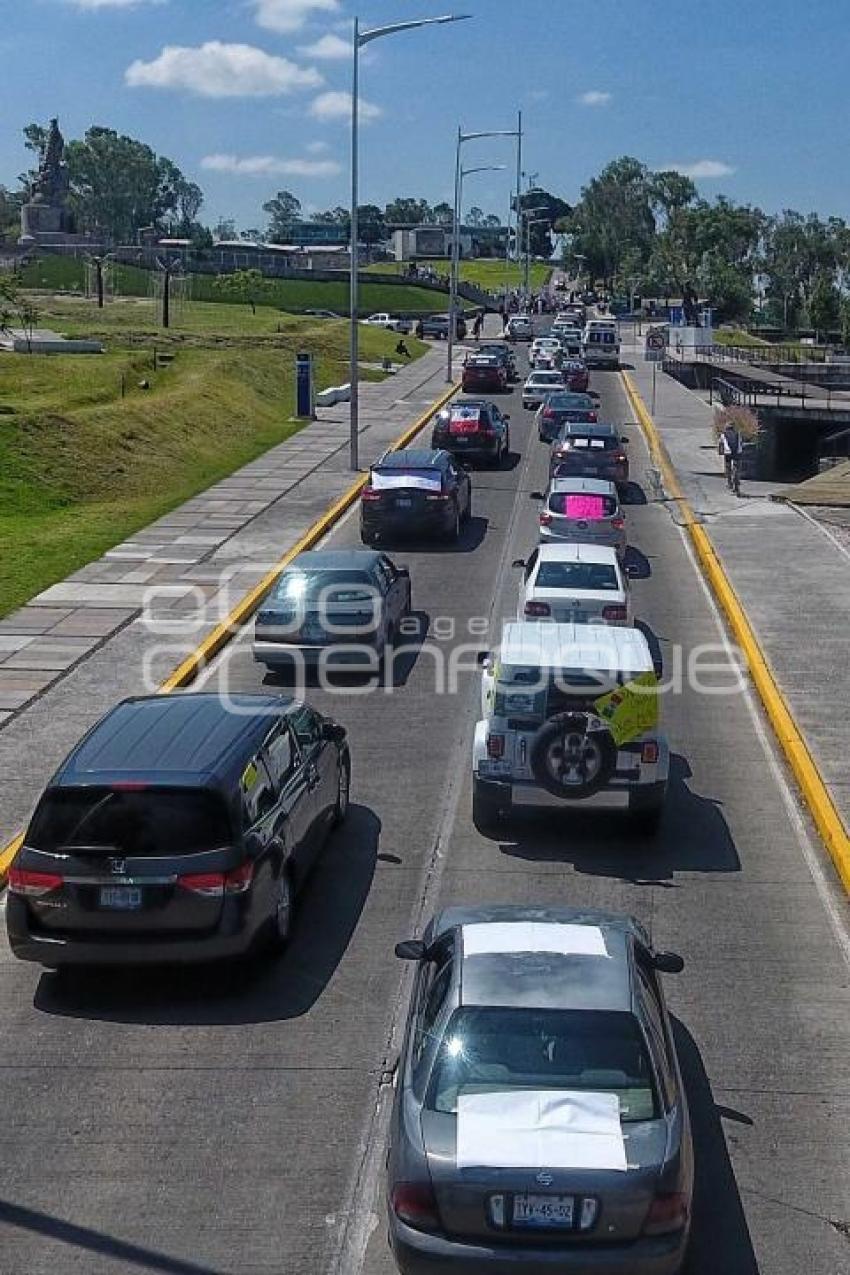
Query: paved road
(219,1124)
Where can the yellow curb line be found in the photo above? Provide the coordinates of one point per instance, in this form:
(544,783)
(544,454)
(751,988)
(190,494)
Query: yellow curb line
(227,629)
(827,818)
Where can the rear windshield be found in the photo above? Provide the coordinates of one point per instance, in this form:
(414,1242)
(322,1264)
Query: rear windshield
(576,575)
(547,378)
(570,402)
(590,442)
(579,505)
(150,821)
(338,586)
(486,1050)
(602,338)
(424,479)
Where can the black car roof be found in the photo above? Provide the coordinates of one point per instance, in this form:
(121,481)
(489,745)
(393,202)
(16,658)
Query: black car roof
(173,738)
(412,458)
(335,560)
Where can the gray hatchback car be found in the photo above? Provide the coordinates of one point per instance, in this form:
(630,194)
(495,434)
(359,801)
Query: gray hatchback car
(540,1123)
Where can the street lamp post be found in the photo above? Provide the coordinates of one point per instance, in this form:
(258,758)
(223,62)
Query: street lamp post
(360,39)
(528,222)
(453,272)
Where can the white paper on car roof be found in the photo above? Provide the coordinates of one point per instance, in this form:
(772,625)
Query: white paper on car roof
(490,938)
(540,1129)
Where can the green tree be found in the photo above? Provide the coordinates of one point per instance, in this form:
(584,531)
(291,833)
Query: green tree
(408,212)
(249,286)
(824,304)
(475,217)
(545,211)
(614,216)
(371,223)
(492,221)
(10,213)
(726,288)
(283,210)
(225,228)
(16,310)
(443,214)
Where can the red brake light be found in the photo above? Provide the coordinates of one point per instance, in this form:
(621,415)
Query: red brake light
(548,413)
(533,609)
(130,787)
(34,884)
(649,753)
(593,416)
(619,457)
(416,1204)
(667,1213)
(369,493)
(210,884)
(545,519)
(238,881)
(614,614)
(495,746)
(619,523)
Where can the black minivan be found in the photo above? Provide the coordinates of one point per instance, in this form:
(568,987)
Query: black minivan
(178,829)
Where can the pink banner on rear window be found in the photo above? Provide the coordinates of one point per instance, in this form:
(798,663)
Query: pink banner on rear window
(584,506)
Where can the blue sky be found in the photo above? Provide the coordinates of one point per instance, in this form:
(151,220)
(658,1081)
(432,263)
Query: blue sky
(243,95)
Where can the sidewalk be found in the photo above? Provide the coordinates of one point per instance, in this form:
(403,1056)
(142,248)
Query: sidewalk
(792,580)
(126,621)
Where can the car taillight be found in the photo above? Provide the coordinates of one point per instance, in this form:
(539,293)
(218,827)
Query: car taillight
(533,609)
(667,1213)
(33,884)
(548,414)
(238,881)
(614,614)
(619,523)
(416,1204)
(619,457)
(369,493)
(210,884)
(593,416)
(495,746)
(545,519)
(649,753)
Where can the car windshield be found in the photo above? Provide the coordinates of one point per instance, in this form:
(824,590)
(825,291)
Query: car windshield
(576,575)
(489,1050)
(340,585)
(392,477)
(132,821)
(568,504)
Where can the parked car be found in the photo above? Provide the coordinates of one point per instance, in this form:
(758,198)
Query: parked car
(384,320)
(415,492)
(581,583)
(595,449)
(436,326)
(333,606)
(583,511)
(540,1122)
(569,721)
(519,327)
(540,384)
(179,829)
(484,372)
(323,314)
(557,409)
(473,429)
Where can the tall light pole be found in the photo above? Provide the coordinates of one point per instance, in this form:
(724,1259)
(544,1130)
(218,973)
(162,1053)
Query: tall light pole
(528,222)
(361,38)
(455,228)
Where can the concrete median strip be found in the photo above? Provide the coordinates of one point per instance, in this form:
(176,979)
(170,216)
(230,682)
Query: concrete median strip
(226,630)
(827,819)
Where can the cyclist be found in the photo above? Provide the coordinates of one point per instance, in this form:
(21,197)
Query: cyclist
(730,447)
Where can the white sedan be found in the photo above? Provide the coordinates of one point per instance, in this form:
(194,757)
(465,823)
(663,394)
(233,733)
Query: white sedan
(578,583)
(539,385)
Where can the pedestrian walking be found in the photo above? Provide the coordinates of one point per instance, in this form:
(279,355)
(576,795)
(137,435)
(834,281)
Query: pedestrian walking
(477,325)
(730,446)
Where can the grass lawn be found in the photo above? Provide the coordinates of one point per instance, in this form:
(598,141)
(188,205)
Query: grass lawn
(737,336)
(55,274)
(484,272)
(82,467)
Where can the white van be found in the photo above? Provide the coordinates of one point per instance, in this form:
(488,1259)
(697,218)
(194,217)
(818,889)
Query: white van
(569,721)
(600,346)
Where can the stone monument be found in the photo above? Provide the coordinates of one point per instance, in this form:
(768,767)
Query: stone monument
(45,217)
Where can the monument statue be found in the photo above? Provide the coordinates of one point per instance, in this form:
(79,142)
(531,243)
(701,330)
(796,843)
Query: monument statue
(45,215)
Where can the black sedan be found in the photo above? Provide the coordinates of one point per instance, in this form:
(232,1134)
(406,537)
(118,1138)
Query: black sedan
(590,450)
(415,492)
(473,429)
(562,407)
(505,355)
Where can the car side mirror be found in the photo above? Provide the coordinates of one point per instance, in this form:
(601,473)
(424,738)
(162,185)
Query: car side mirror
(668,962)
(632,570)
(411,950)
(518,562)
(334,732)
(403,571)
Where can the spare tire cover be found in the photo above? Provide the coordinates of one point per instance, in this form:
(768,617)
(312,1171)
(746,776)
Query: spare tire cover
(573,756)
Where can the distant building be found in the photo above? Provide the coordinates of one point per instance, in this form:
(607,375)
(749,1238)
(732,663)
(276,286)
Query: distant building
(416,243)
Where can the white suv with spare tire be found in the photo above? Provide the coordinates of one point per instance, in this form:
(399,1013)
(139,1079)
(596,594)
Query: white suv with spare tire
(569,721)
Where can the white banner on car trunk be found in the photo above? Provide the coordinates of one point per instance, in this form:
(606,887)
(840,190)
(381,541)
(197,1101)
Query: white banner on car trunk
(540,1129)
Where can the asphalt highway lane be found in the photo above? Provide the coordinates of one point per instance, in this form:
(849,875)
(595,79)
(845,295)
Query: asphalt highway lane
(203,1122)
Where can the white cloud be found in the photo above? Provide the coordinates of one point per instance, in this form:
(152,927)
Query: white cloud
(222,70)
(594,98)
(329,47)
(701,168)
(317,148)
(290,15)
(336,105)
(270,166)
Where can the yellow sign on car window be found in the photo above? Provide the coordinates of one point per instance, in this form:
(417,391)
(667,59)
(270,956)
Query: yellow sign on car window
(631,710)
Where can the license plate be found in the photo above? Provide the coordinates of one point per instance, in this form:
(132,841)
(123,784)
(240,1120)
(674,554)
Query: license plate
(403,502)
(544,1210)
(589,470)
(121,898)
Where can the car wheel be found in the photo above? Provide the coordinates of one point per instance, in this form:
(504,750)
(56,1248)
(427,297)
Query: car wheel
(485,811)
(343,795)
(280,922)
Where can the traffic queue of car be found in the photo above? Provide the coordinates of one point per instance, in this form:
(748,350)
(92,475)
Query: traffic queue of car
(540,1121)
